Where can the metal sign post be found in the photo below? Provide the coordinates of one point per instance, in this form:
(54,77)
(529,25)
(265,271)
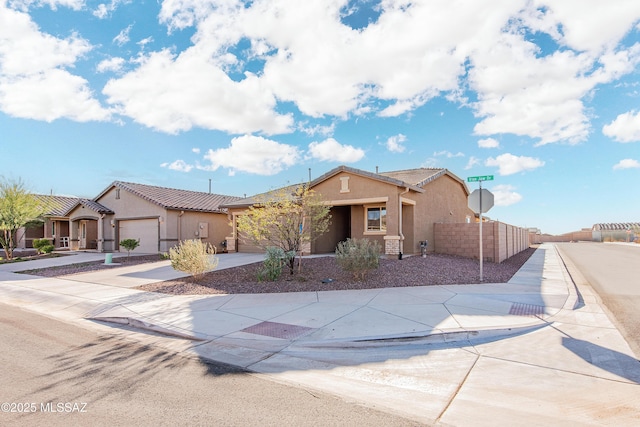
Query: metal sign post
(481,255)
(475,204)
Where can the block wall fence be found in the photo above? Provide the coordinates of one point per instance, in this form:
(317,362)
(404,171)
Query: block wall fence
(500,241)
(569,237)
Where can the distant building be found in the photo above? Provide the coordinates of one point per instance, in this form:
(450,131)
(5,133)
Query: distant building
(616,232)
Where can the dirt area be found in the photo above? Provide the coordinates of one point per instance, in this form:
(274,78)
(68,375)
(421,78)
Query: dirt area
(324,274)
(319,274)
(84,267)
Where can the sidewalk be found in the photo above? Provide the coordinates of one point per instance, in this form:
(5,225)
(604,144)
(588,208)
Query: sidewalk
(435,354)
(271,321)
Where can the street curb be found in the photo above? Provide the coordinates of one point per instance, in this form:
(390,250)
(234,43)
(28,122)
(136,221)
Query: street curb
(140,324)
(472,336)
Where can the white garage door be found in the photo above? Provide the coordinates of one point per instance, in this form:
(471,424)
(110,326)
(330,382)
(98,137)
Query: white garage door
(144,229)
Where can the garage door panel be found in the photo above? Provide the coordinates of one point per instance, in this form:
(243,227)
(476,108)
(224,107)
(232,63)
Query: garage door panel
(246,247)
(145,230)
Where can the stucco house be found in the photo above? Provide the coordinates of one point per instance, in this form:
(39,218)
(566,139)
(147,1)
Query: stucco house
(159,217)
(55,225)
(397,208)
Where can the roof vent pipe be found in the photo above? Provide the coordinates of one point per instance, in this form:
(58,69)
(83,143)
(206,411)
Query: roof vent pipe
(376,169)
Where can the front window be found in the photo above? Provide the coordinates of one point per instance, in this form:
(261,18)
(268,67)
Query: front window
(377,219)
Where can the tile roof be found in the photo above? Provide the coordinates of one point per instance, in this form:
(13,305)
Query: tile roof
(417,177)
(58,205)
(252,200)
(372,175)
(412,178)
(171,198)
(94,206)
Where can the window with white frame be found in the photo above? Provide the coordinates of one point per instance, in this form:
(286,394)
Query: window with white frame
(377,219)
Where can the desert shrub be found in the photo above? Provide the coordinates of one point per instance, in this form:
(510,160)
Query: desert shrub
(43,246)
(193,257)
(47,249)
(129,245)
(358,256)
(275,260)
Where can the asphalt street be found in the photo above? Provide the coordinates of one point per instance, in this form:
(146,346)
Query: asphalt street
(59,374)
(614,272)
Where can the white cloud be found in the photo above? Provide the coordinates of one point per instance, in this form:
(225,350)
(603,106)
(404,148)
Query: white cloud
(111,64)
(50,95)
(142,43)
(584,25)
(625,127)
(24,5)
(508,164)
(190,90)
(34,82)
(505,195)
(448,154)
(253,154)
(525,91)
(195,150)
(488,143)
(394,143)
(331,150)
(317,129)
(178,165)
(105,9)
(472,162)
(313,62)
(627,164)
(123,36)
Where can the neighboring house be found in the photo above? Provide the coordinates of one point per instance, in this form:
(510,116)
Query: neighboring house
(398,209)
(55,225)
(156,216)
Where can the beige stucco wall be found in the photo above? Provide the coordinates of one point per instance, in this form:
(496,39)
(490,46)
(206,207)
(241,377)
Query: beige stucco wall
(444,201)
(173,225)
(184,225)
(347,189)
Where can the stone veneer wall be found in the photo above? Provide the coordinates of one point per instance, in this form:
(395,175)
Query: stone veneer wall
(500,241)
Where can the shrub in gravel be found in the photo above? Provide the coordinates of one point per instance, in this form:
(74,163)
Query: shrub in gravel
(358,256)
(129,245)
(193,257)
(272,265)
(43,246)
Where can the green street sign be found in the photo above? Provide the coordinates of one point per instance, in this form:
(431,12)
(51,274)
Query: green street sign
(480,178)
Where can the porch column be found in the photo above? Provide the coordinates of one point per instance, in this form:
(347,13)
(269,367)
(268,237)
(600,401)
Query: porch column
(100,243)
(392,245)
(73,235)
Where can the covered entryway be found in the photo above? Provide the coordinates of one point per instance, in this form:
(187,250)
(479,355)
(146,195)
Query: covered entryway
(144,230)
(339,230)
(87,234)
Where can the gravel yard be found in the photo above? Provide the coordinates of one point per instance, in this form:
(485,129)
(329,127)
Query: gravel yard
(435,269)
(319,274)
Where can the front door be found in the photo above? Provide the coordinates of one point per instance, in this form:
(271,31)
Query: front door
(82,233)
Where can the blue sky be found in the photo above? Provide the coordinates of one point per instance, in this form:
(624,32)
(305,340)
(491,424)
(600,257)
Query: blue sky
(544,95)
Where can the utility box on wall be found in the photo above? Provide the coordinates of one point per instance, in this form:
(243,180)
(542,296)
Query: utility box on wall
(203,230)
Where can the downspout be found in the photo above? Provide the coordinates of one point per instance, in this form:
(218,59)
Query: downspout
(180,226)
(406,190)
(101,234)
